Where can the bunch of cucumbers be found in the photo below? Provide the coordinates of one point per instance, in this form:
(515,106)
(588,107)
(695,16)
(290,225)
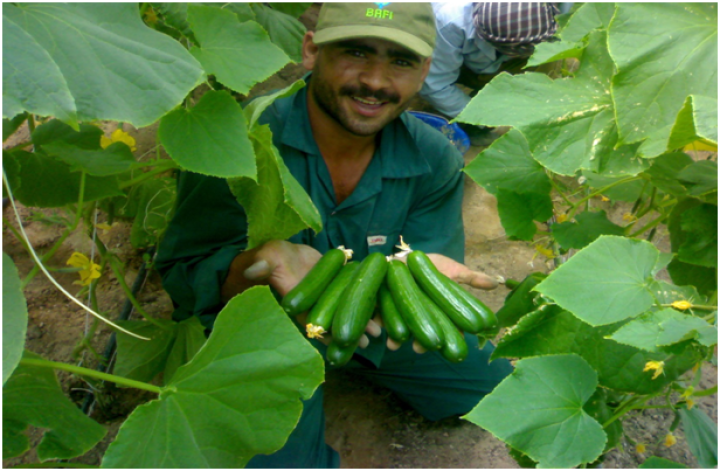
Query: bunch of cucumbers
(414,299)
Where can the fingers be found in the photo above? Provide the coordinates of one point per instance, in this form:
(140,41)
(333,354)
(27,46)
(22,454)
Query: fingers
(364,341)
(392,345)
(478,279)
(417,348)
(373,328)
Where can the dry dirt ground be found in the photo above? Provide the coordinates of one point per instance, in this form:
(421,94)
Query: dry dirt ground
(366,424)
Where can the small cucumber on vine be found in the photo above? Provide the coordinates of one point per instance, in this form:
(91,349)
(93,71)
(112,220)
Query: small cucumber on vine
(357,303)
(407,296)
(454,347)
(469,316)
(520,300)
(337,355)
(306,293)
(322,313)
(392,320)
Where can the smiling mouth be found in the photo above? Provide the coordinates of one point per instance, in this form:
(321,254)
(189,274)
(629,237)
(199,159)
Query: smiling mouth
(369,102)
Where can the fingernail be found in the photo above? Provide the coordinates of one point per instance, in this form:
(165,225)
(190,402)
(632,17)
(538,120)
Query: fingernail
(373,329)
(364,341)
(257,270)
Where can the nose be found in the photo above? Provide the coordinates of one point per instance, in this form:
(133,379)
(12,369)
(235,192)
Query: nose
(375,75)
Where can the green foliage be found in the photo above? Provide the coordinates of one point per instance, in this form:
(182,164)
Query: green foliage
(15,318)
(238,396)
(655,462)
(587,227)
(701,434)
(538,410)
(279,20)
(32,396)
(155,207)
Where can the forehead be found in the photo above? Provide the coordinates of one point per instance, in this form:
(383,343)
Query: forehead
(377,46)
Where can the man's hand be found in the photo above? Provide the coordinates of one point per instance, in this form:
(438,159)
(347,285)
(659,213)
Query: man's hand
(462,274)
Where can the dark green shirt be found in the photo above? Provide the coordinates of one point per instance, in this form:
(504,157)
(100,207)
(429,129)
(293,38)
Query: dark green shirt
(412,187)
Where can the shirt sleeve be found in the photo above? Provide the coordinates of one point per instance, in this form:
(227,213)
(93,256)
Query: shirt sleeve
(435,220)
(208,230)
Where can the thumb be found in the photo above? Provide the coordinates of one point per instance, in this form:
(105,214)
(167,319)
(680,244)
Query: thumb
(478,280)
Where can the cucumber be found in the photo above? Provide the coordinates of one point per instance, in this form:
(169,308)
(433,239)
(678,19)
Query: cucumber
(407,296)
(439,287)
(357,303)
(304,294)
(489,320)
(392,320)
(454,347)
(520,300)
(337,355)
(323,311)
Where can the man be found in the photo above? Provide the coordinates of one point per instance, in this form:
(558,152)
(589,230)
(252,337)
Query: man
(374,173)
(475,42)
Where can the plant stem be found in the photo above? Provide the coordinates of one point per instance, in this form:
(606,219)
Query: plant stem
(560,192)
(601,191)
(79,370)
(650,225)
(147,175)
(625,408)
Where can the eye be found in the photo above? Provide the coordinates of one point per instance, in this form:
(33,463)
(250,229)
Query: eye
(403,63)
(355,52)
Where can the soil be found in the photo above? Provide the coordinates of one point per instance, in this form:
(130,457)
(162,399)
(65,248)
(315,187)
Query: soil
(366,424)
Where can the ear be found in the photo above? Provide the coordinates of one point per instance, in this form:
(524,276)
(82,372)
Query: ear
(310,51)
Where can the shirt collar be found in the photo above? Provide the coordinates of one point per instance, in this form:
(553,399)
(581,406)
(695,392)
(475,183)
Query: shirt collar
(398,153)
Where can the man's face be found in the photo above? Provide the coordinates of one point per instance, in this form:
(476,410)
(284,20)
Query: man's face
(364,83)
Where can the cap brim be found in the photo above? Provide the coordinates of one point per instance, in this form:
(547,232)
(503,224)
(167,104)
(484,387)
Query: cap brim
(402,38)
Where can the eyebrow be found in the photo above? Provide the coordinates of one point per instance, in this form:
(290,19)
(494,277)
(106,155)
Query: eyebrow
(401,53)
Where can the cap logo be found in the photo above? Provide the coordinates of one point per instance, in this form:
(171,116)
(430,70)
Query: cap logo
(379,13)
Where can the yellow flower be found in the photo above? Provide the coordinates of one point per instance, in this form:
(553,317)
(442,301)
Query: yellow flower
(150,16)
(604,198)
(314,331)
(544,251)
(118,135)
(640,448)
(90,271)
(690,403)
(629,217)
(681,305)
(658,366)
(670,440)
(561,218)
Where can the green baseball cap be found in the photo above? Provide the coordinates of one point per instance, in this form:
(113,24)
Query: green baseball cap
(411,25)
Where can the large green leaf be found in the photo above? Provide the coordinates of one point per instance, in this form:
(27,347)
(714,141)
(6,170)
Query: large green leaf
(115,67)
(587,227)
(47,94)
(606,282)
(663,52)
(32,396)
(701,239)
(55,131)
(653,330)
(509,165)
(211,138)
(518,211)
(552,331)
(568,122)
(701,435)
(34,171)
(538,410)
(15,317)
(190,338)
(115,159)
(142,360)
(664,172)
(238,397)
(238,54)
(700,177)
(284,29)
(277,207)
(697,120)
(257,106)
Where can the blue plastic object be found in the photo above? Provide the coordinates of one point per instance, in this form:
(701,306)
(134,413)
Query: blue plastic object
(452,131)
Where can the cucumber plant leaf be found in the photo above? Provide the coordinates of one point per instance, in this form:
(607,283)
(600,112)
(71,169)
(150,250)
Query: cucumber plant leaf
(15,317)
(284,29)
(190,338)
(697,120)
(239,396)
(663,52)
(255,108)
(588,226)
(565,121)
(142,360)
(664,172)
(655,462)
(618,366)
(115,159)
(33,171)
(606,282)
(538,410)
(32,396)
(700,225)
(653,330)
(211,138)
(277,206)
(509,165)
(128,72)
(55,131)
(228,46)
(701,435)
(48,94)
(700,177)
(518,211)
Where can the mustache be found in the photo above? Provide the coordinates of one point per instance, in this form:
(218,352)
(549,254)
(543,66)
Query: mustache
(366,92)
